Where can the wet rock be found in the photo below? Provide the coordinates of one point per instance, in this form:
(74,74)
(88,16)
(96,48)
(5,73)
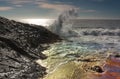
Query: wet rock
(68,70)
(97,69)
(117,55)
(21,45)
(87,60)
(13,66)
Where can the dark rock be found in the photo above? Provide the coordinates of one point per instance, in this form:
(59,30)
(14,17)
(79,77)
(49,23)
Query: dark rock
(87,60)
(20,45)
(97,69)
(117,55)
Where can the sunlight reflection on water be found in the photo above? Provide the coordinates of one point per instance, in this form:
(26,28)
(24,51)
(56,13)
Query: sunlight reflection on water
(111,69)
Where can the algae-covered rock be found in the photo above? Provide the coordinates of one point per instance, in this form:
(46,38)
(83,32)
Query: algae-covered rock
(70,70)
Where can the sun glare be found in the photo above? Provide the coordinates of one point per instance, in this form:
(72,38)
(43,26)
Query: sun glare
(44,22)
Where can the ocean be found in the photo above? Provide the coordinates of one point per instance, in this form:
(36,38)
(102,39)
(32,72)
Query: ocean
(84,40)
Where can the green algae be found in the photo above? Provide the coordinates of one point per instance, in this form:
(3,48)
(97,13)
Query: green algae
(70,70)
(68,61)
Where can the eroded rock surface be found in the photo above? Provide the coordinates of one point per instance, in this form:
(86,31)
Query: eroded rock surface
(20,46)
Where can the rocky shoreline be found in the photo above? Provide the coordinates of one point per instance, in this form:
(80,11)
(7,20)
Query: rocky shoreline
(20,46)
(69,60)
(88,68)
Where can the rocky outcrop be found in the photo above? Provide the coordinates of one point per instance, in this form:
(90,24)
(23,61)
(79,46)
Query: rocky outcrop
(20,45)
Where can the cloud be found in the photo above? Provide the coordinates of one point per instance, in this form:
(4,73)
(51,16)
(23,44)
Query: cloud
(19,2)
(45,4)
(17,5)
(62,7)
(87,11)
(5,8)
(58,6)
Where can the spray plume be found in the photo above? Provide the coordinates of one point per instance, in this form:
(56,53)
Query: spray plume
(57,26)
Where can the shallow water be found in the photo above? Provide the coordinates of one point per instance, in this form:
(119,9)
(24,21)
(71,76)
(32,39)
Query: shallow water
(87,44)
(111,69)
(63,53)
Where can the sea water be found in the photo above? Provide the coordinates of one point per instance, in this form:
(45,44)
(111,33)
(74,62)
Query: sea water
(83,38)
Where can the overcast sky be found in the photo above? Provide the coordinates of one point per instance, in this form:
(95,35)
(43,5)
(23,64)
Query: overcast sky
(88,9)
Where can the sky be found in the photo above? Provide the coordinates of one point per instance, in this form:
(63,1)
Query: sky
(50,9)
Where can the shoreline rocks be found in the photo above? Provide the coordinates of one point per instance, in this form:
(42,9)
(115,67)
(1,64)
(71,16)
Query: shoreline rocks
(21,45)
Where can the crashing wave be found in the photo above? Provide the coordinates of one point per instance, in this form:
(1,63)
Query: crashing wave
(60,27)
